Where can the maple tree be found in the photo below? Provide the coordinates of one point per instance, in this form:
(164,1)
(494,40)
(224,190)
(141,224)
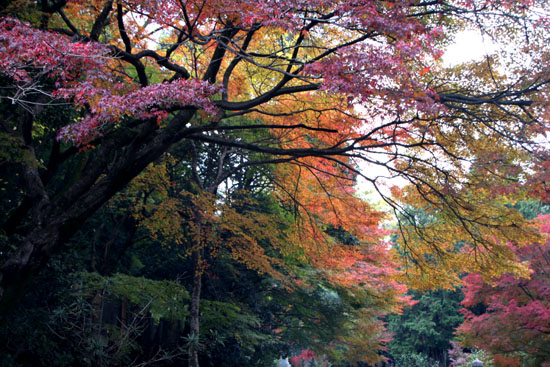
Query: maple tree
(516,312)
(197,214)
(319,306)
(349,258)
(333,82)
(188,202)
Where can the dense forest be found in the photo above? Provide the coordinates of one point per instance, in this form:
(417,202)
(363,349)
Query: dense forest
(264,183)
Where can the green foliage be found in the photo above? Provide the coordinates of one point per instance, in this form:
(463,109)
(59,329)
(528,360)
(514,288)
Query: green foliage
(414,360)
(88,342)
(226,325)
(85,331)
(32,335)
(426,327)
(532,208)
(11,150)
(163,299)
(225,316)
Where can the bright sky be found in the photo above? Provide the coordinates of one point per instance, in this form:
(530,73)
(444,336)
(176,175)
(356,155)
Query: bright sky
(469,45)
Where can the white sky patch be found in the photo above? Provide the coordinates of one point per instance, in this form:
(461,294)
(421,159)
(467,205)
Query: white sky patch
(469,45)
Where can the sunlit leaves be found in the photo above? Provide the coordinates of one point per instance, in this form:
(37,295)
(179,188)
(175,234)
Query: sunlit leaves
(457,236)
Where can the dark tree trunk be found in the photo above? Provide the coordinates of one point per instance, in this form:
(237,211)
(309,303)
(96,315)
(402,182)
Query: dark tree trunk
(16,273)
(194,318)
(50,222)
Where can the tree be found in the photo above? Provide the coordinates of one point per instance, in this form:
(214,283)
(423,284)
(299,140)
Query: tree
(183,205)
(510,316)
(345,268)
(140,77)
(311,300)
(206,209)
(427,327)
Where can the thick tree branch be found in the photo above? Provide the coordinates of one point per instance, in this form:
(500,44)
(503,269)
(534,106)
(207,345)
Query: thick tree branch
(101,21)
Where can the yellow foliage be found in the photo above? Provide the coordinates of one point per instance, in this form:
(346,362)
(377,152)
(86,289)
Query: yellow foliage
(446,237)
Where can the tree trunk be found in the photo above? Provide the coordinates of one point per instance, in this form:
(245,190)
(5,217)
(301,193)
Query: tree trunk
(52,221)
(16,274)
(194,320)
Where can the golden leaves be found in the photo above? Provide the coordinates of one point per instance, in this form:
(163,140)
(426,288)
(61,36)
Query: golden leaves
(444,237)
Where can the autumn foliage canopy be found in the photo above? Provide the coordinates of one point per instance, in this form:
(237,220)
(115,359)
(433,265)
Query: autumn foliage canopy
(102,96)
